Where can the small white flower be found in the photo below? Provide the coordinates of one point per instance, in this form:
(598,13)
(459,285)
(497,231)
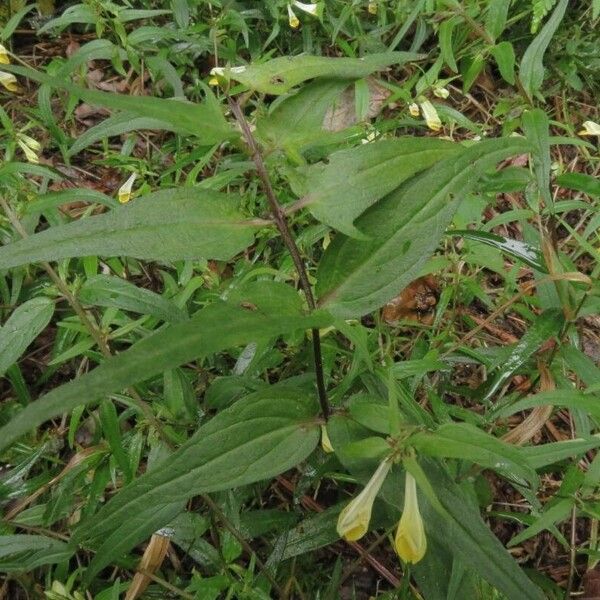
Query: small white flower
(9,81)
(311,9)
(124,193)
(413,108)
(590,128)
(292,18)
(431,117)
(372,8)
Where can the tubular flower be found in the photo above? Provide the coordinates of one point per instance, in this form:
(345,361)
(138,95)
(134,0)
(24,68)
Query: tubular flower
(31,148)
(325,441)
(410,542)
(124,193)
(413,109)
(292,18)
(4,55)
(590,128)
(431,117)
(311,9)
(441,92)
(9,81)
(353,521)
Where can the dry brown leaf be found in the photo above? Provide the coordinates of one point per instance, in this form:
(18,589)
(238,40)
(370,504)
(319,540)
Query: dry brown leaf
(342,114)
(416,302)
(151,561)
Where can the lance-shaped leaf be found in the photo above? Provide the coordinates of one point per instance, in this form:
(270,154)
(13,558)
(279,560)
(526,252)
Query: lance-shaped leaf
(354,179)
(258,311)
(357,276)
(106,290)
(27,552)
(21,328)
(168,225)
(280,75)
(257,438)
(204,120)
(116,125)
(465,441)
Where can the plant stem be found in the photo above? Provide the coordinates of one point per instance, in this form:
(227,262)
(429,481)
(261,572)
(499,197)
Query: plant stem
(284,230)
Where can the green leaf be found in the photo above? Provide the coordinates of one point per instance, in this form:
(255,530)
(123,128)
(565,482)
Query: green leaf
(504,54)
(510,358)
(495,20)
(555,513)
(53,200)
(445,37)
(27,552)
(356,277)
(547,454)
(522,251)
(536,126)
(354,179)
(258,311)
(581,182)
(531,70)
(461,529)
(565,398)
(467,442)
(204,120)
(257,438)
(184,223)
(280,75)
(107,290)
(22,327)
(298,120)
(116,125)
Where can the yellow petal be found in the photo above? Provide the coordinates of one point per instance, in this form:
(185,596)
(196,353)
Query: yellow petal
(441,92)
(410,542)
(590,128)
(325,441)
(414,109)
(9,81)
(292,18)
(311,9)
(4,59)
(33,144)
(30,154)
(431,117)
(372,8)
(213,81)
(124,193)
(353,521)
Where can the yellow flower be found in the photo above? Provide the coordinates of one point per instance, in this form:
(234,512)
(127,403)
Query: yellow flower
(325,441)
(30,147)
(431,117)
(311,9)
(4,55)
(410,542)
(441,92)
(124,193)
(292,18)
(353,521)
(372,8)
(9,81)
(590,128)
(413,108)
